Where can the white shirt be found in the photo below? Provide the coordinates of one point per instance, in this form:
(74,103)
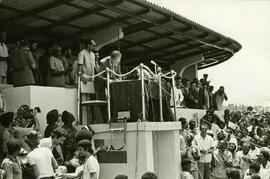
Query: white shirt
(87,60)
(91,166)
(3,50)
(178,96)
(42,158)
(254,153)
(204,144)
(46,142)
(215,129)
(186,175)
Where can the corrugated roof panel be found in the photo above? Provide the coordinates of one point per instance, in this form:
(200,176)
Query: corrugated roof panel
(153,16)
(64,29)
(176,25)
(33,22)
(179,37)
(160,42)
(26,5)
(137,49)
(133,21)
(111,13)
(83,3)
(158,30)
(178,47)
(60,12)
(90,20)
(5,14)
(139,36)
(130,7)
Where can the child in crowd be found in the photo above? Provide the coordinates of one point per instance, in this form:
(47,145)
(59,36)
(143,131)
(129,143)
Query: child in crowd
(186,165)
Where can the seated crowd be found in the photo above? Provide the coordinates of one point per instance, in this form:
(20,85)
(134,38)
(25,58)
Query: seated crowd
(234,147)
(64,152)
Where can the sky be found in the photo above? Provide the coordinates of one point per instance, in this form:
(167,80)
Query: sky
(246,75)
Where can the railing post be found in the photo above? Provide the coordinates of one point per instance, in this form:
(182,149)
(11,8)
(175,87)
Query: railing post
(108,95)
(143,93)
(79,100)
(160,94)
(173,94)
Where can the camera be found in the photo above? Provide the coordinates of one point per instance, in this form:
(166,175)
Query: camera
(25,115)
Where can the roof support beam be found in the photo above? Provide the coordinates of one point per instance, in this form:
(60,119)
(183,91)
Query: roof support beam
(149,40)
(38,10)
(142,25)
(143,19)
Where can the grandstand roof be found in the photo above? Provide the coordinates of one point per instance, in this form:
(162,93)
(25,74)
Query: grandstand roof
(151,32)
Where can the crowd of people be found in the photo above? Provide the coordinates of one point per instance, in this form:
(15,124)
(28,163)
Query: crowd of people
(234,147)
(22,63)
(198,94)
(64,152)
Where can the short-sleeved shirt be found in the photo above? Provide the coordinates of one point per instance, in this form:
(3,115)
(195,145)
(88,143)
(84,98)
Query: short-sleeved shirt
(3,50)
(90,166)
(3,63)
(42,158)
(204,144)
(12,167)
(87,60)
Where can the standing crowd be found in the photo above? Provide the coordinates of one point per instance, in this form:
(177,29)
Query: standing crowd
(64,152)
(198,94)
(234,147)
(22,63)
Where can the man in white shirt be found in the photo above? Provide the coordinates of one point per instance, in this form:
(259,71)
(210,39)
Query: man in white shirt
(42,162)
(206,146)
(86,59)
(57,138)
(41,159)
(178,95)
(3,58)
(91,166)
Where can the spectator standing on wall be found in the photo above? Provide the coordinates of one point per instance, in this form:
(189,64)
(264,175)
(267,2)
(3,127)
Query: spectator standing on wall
(36,71)
(194,96)
(3,58)
(211,97)
(23,65)
(44,65)
(204,101)
(219,97)
(56,72)
(178,95)
(185,90)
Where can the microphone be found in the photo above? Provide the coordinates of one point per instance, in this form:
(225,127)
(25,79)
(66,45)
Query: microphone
(153,62)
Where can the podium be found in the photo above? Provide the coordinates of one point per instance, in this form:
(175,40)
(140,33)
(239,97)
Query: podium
(126,97)
(148,146)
